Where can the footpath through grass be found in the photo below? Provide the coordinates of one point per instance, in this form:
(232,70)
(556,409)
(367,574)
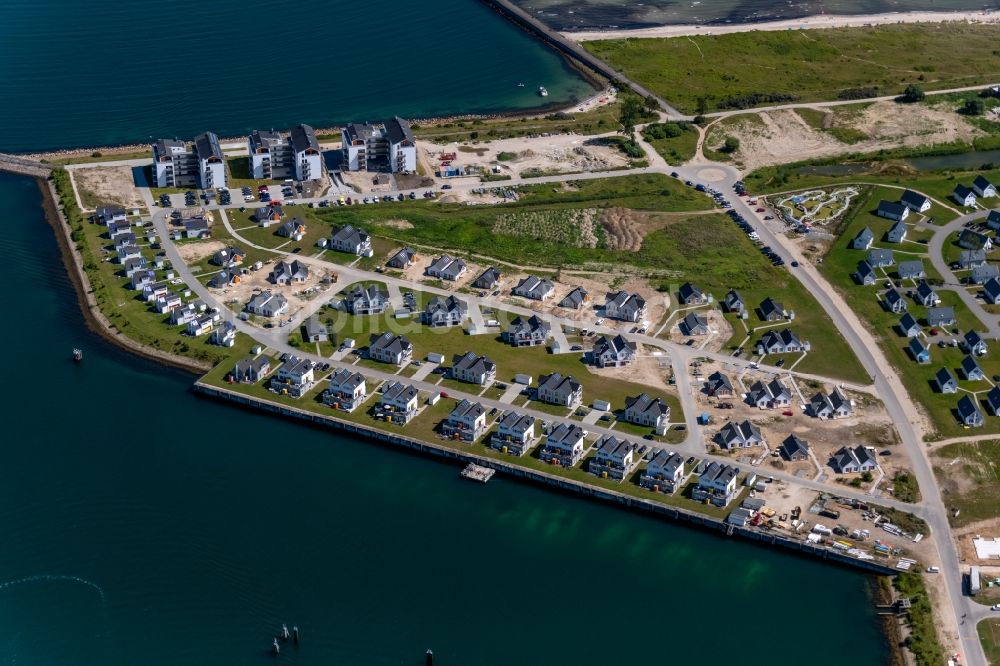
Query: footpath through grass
(707,73)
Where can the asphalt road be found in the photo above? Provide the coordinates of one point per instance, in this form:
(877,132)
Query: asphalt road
(886,383)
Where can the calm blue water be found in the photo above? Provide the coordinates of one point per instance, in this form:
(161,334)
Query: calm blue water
(144,525)
(107,72)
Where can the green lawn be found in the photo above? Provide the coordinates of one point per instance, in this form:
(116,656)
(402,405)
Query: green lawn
(707,249)
(122,306)
(470,229)
(510,361)
(838,266)
(989,636)
(676,142)
(717,72)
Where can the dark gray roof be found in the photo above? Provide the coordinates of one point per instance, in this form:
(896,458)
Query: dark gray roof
(943,377)
(566,433)
(344,378)
(914,267)
(557,381)
(516,422)
(399,392)
(304,138)
(891,208)
(389,342)
(466,409)
(793,445)
(967,407)
(992,287)
(615,344)
(470,361)
(913,199)
(962,191)
(207,146)
(267,139)
(398,131)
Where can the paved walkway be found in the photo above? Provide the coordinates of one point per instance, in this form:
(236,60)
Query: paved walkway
(887,383)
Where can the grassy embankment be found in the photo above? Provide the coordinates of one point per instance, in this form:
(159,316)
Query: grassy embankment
(838,267)
(923,640)
(719,72)
(708,250)
(122,306)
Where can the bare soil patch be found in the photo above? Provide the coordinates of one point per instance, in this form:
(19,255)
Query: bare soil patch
(197,251)
(107,185)
(784,136)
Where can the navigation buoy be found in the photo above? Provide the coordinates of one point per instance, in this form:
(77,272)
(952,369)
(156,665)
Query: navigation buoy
(429,657)
(275,648)
(284,632)
(295,635)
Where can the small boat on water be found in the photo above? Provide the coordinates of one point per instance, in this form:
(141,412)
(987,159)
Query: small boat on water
(77,354)
(542,91)
(520,85)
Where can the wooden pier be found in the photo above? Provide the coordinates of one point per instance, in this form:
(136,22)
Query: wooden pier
(478,473)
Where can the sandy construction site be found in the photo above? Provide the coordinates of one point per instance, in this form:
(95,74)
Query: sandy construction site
(869,426)
(106,185)
(776,137)
(557,153)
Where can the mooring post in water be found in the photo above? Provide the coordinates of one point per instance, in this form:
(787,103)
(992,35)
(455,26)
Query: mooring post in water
(275,648)
(295,635)
(429,657)
(284,632)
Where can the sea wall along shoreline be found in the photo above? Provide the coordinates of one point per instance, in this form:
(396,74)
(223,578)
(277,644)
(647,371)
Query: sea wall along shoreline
(534,476)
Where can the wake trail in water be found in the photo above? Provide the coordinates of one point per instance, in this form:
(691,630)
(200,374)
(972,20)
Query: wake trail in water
(52,578)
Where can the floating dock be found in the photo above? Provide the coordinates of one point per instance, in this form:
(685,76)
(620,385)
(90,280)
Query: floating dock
(478,473)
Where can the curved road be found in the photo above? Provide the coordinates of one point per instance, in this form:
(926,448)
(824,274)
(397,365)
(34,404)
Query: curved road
(886,383)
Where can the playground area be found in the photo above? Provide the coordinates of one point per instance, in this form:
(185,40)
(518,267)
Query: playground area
(816,206)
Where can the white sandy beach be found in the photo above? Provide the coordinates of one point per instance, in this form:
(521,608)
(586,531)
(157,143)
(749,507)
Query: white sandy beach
(809,22)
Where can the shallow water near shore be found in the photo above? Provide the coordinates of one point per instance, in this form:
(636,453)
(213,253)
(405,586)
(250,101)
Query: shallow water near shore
(145,525)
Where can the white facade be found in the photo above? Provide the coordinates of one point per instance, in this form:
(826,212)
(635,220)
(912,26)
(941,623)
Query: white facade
(389,146)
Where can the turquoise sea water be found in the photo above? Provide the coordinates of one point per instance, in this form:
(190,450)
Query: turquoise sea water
(105,72)
(145,525)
